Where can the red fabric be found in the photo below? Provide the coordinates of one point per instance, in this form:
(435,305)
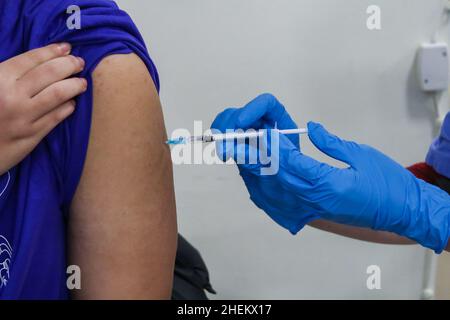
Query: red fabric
(425,172)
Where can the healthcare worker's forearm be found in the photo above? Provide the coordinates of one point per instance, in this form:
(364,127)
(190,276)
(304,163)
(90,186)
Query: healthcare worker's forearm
(362,234)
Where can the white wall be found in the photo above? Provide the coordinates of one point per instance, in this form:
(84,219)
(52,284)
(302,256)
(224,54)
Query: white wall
(319,58)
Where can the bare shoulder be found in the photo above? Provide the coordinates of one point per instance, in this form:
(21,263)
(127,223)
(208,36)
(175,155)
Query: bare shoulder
(123,87)
(112,70)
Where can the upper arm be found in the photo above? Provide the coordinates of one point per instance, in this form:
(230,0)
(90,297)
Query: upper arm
(122,224)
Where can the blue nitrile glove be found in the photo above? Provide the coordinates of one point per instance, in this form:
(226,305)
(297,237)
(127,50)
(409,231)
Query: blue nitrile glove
(374,191)
(266,191)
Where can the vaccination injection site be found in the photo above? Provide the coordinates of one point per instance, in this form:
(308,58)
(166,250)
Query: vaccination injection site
(224,159)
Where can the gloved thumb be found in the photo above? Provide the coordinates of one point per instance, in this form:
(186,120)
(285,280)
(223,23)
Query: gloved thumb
(330,144)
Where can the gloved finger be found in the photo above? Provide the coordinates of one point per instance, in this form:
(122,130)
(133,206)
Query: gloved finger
(248,157)
(225,150)
(248,153)
(228,120)
(225,120)
(294,138)
(299,165)
(269,147)
(268,108)
(332,145)
(245,152)
(292,218)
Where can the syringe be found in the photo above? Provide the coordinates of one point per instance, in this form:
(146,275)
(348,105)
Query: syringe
(230,136)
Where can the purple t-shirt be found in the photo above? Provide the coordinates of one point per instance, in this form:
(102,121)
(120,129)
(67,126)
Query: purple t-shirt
(36,194)
(439,154)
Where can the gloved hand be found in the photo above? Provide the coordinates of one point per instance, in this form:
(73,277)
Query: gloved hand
(374,191)
(268,192)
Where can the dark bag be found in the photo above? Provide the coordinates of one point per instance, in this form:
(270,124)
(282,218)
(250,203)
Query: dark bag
(191,278)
